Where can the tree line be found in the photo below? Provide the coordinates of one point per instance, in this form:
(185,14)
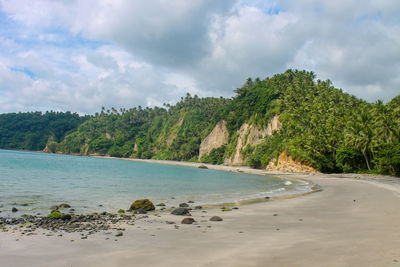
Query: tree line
(321,126)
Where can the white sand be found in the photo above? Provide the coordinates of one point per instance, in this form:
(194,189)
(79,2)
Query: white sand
(326,228)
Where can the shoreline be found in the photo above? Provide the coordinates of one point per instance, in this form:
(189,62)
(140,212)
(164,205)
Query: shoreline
(239,169)
(353,221)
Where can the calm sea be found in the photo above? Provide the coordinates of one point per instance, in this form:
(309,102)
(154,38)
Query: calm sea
(32,182)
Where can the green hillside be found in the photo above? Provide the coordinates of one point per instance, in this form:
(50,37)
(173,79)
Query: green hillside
(32,130)
(322,127)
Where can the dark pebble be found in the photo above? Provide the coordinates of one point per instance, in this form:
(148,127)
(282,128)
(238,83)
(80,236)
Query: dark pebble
(187,221)
(140,211)
(216,219)
(181,211)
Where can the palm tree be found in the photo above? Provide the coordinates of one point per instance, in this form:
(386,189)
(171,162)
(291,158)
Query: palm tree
(359,134)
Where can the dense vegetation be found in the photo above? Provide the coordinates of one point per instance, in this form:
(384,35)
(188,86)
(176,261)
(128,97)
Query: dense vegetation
(32,130)
(321,126)
(174,132)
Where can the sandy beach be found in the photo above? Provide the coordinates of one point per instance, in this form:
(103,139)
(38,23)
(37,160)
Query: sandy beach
(353,221)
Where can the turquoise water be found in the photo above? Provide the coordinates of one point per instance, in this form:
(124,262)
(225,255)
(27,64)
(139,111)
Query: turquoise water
(42,180)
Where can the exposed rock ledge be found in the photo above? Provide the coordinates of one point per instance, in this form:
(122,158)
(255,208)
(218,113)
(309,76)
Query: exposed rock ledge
(217,138)
(287,164)
(251,135)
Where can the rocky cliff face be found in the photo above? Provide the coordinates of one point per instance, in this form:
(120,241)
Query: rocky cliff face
(217,138)
(251,135)
(287,164)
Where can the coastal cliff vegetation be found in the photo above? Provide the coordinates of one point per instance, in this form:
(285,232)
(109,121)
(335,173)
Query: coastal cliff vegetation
(33,130)
(316,125)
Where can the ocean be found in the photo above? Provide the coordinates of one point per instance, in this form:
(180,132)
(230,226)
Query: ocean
(33,182)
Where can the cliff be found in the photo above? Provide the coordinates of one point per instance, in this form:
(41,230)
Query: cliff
(253,136)
(217,138)
(286,163)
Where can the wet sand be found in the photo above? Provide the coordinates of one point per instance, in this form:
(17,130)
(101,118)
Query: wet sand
(353,221)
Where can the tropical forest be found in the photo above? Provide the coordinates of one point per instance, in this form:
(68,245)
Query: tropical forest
(319,126)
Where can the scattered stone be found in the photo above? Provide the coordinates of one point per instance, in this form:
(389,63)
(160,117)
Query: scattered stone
(145,204)
(14,209)
(354,200)
(226,209)
(64,206)
(65,217)
(55,207)
(176,226)
(235,208)
(119,234)
(277,229)
(275,214)
(169,222)
(300,220)
(183,205)
(216,219)
(25,204)
(190,201)
(198,207)
(203,167)
(55,214)
(100,205)
(187,221)
(161,205)
(181,211)
(84,237)
(140,211)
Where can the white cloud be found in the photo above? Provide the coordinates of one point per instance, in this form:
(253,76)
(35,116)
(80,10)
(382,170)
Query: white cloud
(81,55)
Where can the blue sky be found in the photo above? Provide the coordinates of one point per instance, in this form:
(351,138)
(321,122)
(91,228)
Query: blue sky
(82,55)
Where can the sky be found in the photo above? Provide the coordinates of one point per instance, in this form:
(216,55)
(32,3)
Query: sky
(80,55)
